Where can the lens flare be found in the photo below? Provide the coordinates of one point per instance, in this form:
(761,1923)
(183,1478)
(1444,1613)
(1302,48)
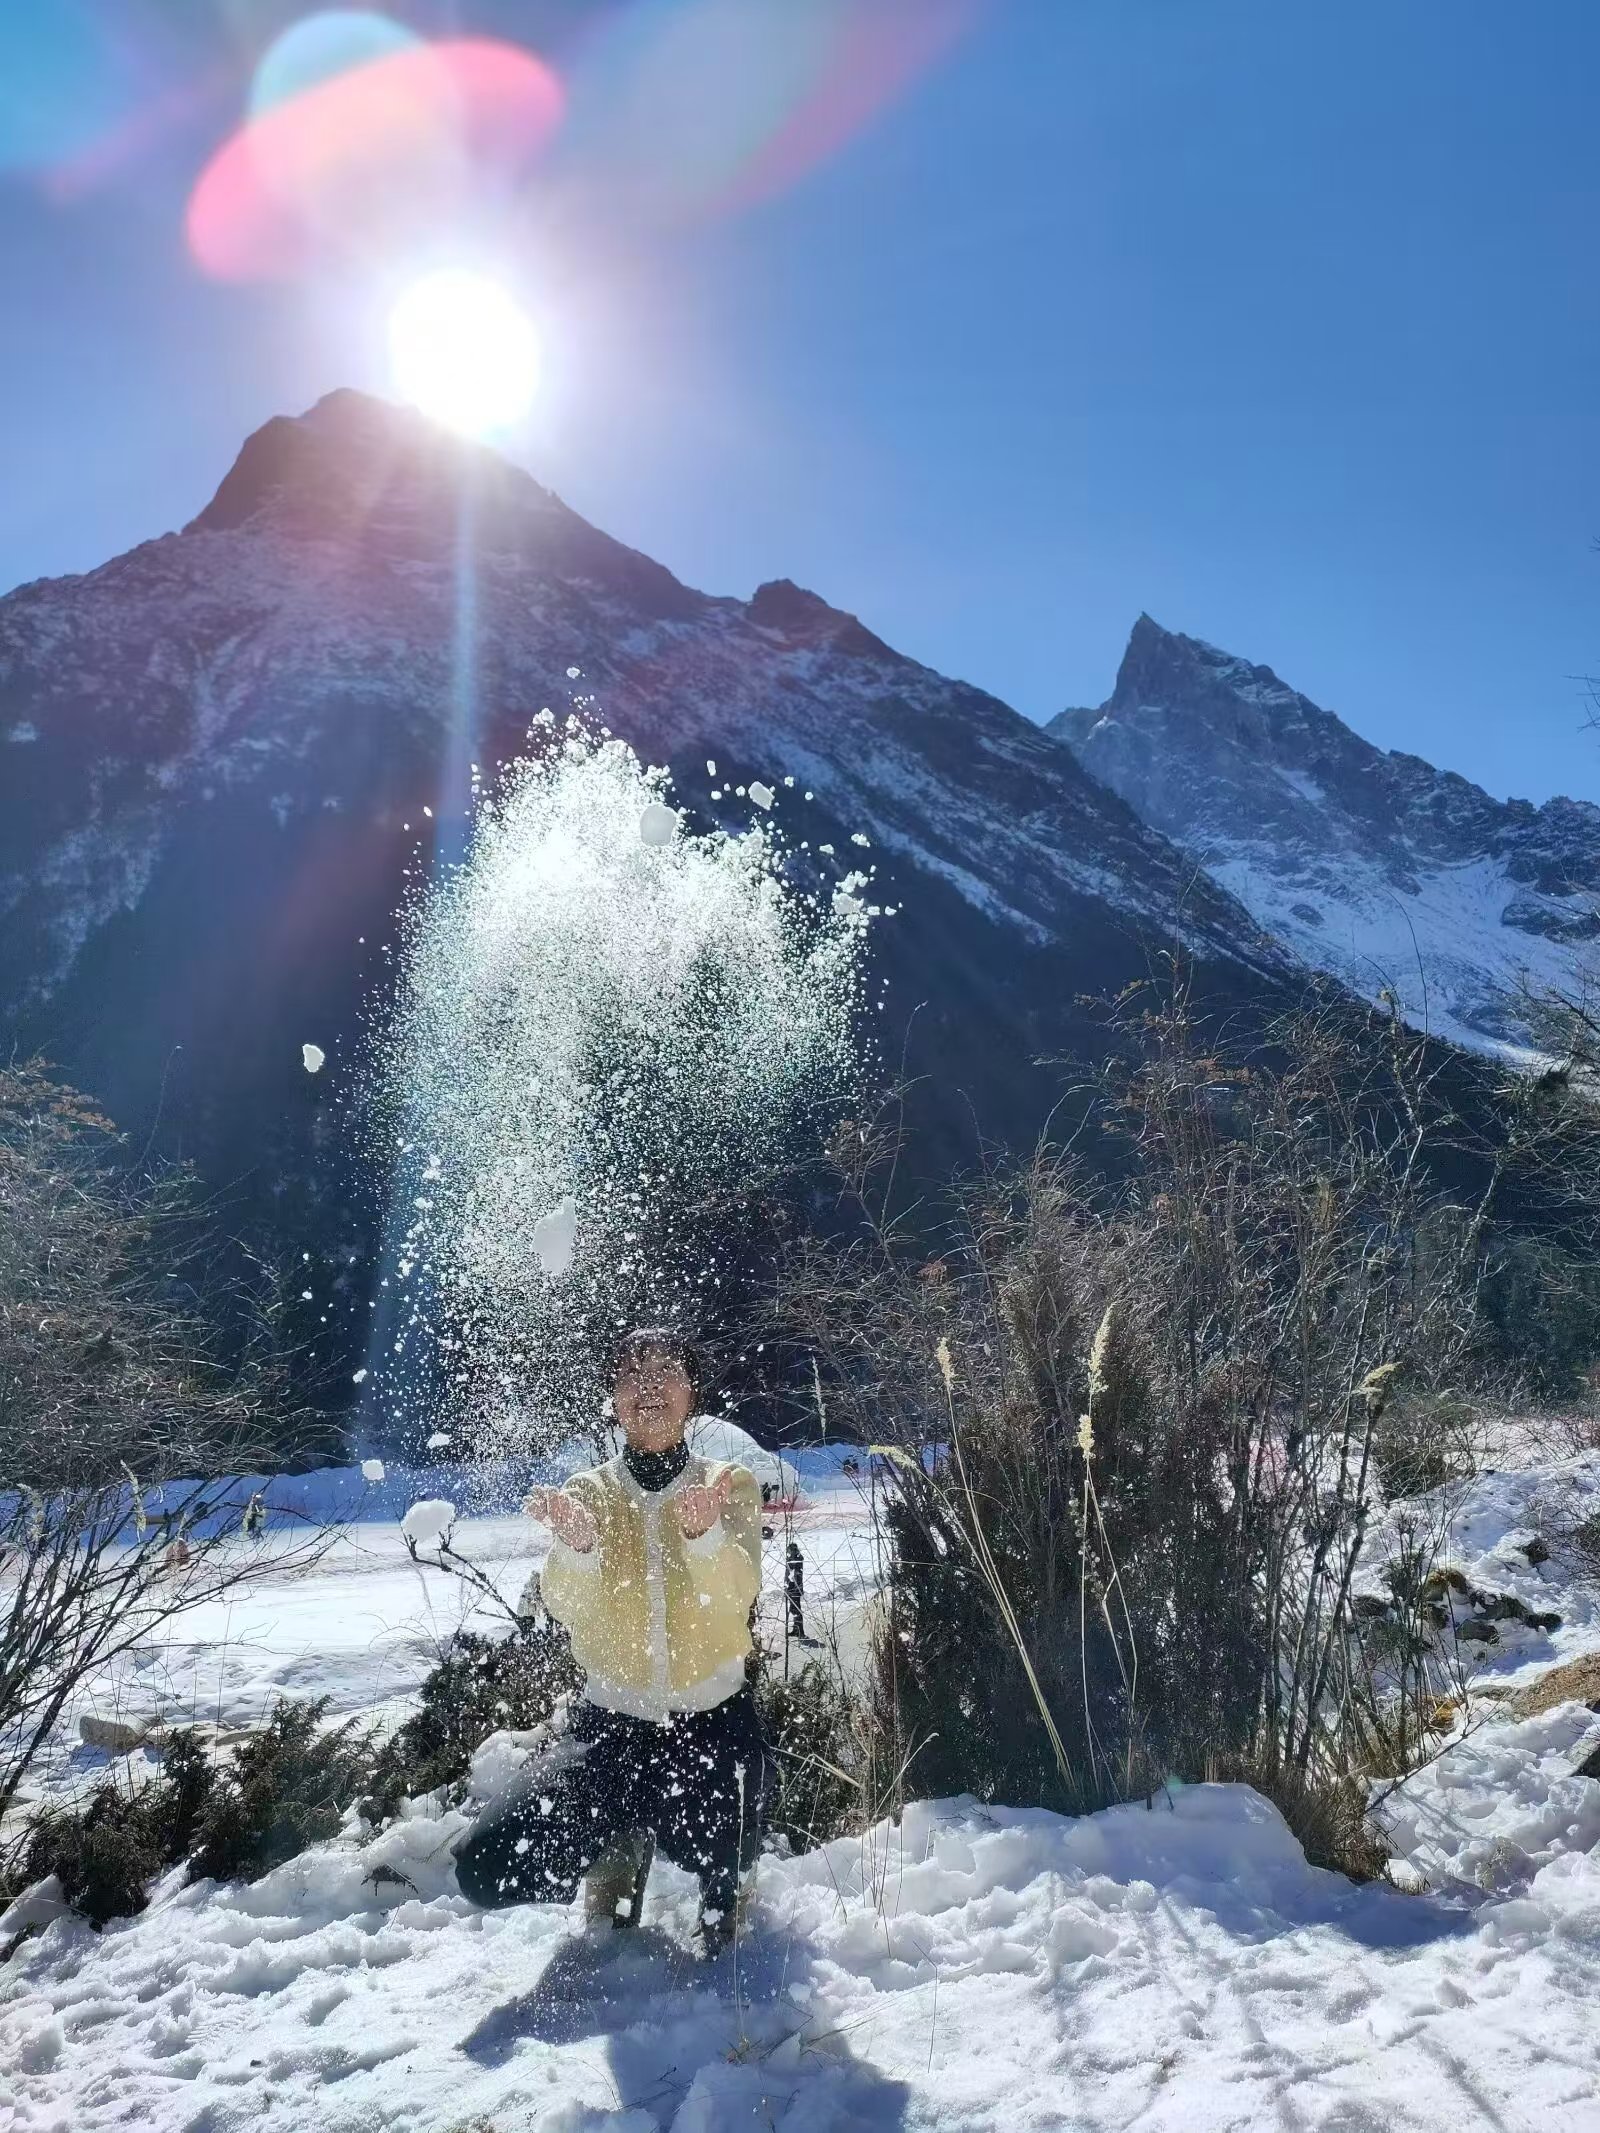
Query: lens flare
(369,158)
(683,108)
(320,47)
(465,352)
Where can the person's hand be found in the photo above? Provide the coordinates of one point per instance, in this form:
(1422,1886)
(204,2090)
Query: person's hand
(565,1516)
(699,1508)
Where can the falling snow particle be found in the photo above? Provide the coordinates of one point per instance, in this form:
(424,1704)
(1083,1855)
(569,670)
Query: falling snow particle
(373,1470)
(312,1057)
(358,1377)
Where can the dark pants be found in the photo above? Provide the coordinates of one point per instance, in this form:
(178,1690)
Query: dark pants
(698,1784)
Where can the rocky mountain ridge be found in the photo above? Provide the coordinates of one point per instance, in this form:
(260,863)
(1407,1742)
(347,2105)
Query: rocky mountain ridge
(216,753)
(1371,865)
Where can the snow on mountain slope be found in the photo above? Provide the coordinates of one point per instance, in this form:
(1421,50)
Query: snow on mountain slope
(221,745)
(1373,866)
(301,640)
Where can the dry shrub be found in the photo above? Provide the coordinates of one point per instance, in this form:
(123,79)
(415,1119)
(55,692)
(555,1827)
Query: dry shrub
(107,1851)
(812,1724)
(1128,1423)
(482,1685)
(288,1787)
(1327,1813)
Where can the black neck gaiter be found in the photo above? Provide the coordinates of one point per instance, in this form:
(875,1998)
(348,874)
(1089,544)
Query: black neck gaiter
(653,1470)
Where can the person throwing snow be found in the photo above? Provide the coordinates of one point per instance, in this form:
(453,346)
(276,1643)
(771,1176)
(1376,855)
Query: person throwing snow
(654,1567)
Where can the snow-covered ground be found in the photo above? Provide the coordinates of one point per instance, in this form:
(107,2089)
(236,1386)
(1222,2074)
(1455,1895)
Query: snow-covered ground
(1176,1966)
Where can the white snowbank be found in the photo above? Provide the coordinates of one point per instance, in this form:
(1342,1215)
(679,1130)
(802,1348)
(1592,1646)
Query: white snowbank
(1172,1968)
(1499,1806)
(1175,1969)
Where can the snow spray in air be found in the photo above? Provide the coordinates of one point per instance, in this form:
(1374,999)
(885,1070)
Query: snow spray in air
(610,1034)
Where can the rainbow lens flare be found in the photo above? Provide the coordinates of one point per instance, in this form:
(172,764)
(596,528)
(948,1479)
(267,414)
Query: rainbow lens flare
(363,140)
(696,107)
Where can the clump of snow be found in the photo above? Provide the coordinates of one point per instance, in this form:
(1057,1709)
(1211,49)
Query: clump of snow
(373,1470)
(40,1904)
(658,825)
(439,1441)
(1499,1806)
(763,795)
(312,1057)
(555,1236)
(428,1521)
(599,1034)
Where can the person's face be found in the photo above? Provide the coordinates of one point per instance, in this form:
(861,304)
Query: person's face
(652,1400)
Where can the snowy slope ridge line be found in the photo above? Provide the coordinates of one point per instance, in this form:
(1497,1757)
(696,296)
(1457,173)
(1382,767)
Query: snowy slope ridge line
(1372,866)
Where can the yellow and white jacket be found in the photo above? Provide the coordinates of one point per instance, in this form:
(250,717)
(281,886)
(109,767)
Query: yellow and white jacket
(658,1623)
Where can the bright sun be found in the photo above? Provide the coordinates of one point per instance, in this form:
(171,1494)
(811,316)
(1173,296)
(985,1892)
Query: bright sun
(464,351)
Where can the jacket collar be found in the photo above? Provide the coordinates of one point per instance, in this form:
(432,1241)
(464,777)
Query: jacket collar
(692,1471)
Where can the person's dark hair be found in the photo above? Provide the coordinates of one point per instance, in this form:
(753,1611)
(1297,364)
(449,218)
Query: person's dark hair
(643,1341)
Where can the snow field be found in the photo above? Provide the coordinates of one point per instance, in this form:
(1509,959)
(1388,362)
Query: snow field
(1172,1967)
(1176,1968)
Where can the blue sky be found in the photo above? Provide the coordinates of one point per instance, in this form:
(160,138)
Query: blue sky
(1276,319)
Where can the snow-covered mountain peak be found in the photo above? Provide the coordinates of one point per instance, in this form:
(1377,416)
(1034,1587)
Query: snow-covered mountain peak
(218,753)
(1374,865)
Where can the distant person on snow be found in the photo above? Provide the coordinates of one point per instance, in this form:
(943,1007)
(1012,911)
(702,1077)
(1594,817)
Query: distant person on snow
(654,1569)
(794,1590)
